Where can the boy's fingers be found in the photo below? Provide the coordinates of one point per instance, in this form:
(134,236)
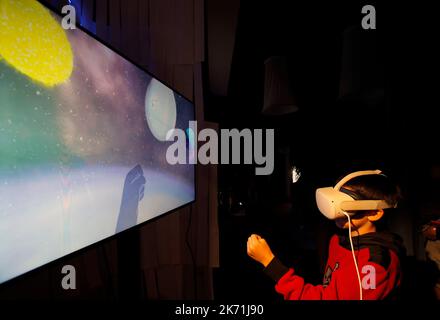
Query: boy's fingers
(249,246)
(256,238)
(253,241)
(254,245)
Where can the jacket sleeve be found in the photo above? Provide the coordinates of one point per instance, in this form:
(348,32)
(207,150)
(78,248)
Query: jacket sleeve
(377,282)
(292,286)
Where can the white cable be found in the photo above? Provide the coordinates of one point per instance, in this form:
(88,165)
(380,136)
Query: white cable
(354,257)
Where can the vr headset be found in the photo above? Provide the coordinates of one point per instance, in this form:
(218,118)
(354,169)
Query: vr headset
(332,201)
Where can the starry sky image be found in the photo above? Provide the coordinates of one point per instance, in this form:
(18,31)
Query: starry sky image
(81,154)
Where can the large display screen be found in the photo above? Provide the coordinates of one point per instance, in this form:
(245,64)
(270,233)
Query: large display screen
(82,141)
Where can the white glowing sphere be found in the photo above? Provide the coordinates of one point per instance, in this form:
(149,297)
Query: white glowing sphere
(160,109)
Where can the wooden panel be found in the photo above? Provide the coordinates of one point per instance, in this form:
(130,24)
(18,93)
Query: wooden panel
(102,29)
(184,32)
(150,286)
(214,254)
(183,80)
(162,43)
(170,282)
(130,29)
(115,23)
(185,236)
(110,255)
(198,92)
(204,283)
(168,236)
(94,275)
(87,16)
(221,26)
(204,224)
(144,32)
(78,8)
(189,276)
(169,74)
(149,246)
(199,30)
(200,217)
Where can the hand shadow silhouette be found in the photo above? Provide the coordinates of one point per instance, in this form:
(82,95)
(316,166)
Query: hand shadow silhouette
(132,194)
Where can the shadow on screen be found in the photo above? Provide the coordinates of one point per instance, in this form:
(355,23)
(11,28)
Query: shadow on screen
(133,193)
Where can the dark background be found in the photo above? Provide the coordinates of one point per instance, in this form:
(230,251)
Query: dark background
(327,138)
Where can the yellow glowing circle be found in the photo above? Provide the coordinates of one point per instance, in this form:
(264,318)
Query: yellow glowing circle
(33,42)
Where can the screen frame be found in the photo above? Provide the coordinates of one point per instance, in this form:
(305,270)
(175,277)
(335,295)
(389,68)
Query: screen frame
(16,279)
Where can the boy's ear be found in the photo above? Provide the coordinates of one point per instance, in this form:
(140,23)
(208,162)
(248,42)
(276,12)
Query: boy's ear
(375,215)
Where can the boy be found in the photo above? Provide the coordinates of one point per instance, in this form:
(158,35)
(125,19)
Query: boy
(432,233)
(368,270)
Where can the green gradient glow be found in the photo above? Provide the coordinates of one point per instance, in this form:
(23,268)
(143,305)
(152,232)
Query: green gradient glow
(29,134)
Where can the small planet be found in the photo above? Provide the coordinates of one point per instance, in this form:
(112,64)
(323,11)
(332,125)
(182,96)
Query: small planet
(160,109)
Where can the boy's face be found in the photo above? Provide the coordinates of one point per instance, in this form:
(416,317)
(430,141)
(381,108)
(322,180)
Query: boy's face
(357,221)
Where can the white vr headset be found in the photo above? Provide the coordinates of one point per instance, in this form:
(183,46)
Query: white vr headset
(332,201)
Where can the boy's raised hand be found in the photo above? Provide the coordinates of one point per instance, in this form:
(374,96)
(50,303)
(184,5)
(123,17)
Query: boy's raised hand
(259,250)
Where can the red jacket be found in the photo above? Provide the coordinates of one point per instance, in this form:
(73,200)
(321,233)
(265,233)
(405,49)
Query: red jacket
(379,266)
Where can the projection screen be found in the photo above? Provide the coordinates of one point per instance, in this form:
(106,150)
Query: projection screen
(82,141)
